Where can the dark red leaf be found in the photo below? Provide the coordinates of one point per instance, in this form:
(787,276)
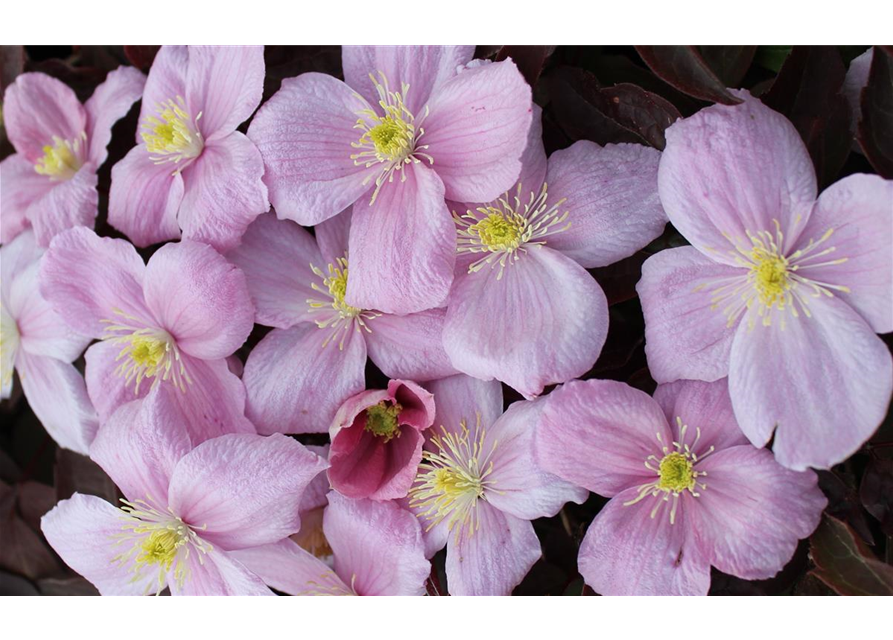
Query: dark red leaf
(875,129)
(529,58)
(12,63)
(683,67)
(845,563)
(729,63)
(72,586)
(141,56)
(876,492)
(840,488)
(619,280)
(23,551)
(77,473)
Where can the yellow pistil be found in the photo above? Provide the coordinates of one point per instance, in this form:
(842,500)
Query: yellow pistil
(175,136)
(770,275)
(453,478)
(342,315)
(62,159)
(676,473)
(392,139)
(160,548)
(381,420)
(505,228)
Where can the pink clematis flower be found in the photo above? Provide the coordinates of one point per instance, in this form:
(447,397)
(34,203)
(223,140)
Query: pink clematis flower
(522,308)
(478,487)
(186,509)
(191,170)
(377,547)
(403,132)
(687,490)
(377,441)
(780,292)
(170,322)
(315,358)
(39,345)
(50,182)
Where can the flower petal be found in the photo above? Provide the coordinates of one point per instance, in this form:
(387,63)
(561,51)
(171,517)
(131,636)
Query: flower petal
(304,133)
(403,246)
(106,385)
(477,130)
(288,568)
(246,488)
(611,194)
(22,186)
(732,170)
(218,574)
(823,381)
(166,81)
(462,397)
(200,298)
(685,336)
(753,512)
(543,322)
(410,346)
(69,204)
(109,103)
(599,433)
(224,192)
(333,235)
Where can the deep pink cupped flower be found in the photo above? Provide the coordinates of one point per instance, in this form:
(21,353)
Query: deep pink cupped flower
(38,344)
(687,490)
(522,308)
(186,509)
(170,322)
(377,438)
(50,182)
(377,548)
(191,170)
(405,131)
(315,358)
(478,487)
(781,292)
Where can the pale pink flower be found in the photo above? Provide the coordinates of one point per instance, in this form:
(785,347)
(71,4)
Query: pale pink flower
(170,322)
(522,308)
(478,487)
(781,292)
(315,358)
(687,490)
(377,438)
(404,132)
(186,509)
(191,170)
(377,548)
(50,182)
(39,345)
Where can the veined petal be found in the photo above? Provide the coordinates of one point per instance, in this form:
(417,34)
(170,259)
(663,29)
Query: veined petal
(218,574)
(410,346)
(332,236)
(109,103)
(22,186)
(69,204)
(462,397)
(288,568)
(166,81)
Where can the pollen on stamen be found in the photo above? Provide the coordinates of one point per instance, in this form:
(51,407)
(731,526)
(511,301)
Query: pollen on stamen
(62,159)
(175,136)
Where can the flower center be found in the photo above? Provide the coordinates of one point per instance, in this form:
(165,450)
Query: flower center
(174,136)
(391,139)
(62,159)
(160,548)
(504,228)
(453,478)
(770,276)
(676,473)
(340,316)
(381,420)
(146,352)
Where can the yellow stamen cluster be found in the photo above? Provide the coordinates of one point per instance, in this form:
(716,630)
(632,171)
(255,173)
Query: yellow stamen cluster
(174,136)
(62,159)
(343,316)
(382,420)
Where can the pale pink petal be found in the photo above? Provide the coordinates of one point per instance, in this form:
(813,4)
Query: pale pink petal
(217,574)
(823,381)
(304,133)
(224,192)
(69,204)
(89,280)
(144,198)
(295,385)
(85,531)
(402,246)
(37,107)
(543,322)
(495,559)
(22,186)
(611,194)
(462,397)
(332,235)
(732,170)
(246,488)
(859,209)
(56,393)
(140,445)
(318,489)
(106,385)
(225,85)
(685,336)
(533,160)
(17,257)
(200,298)
(275,256)
(410,346)
(753,512)
(166,81)
(109,103)
(477,130)
(288,568)
(521,487)
(423,68)
(628,552)
(599,433)
(377,547)
(703,406)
